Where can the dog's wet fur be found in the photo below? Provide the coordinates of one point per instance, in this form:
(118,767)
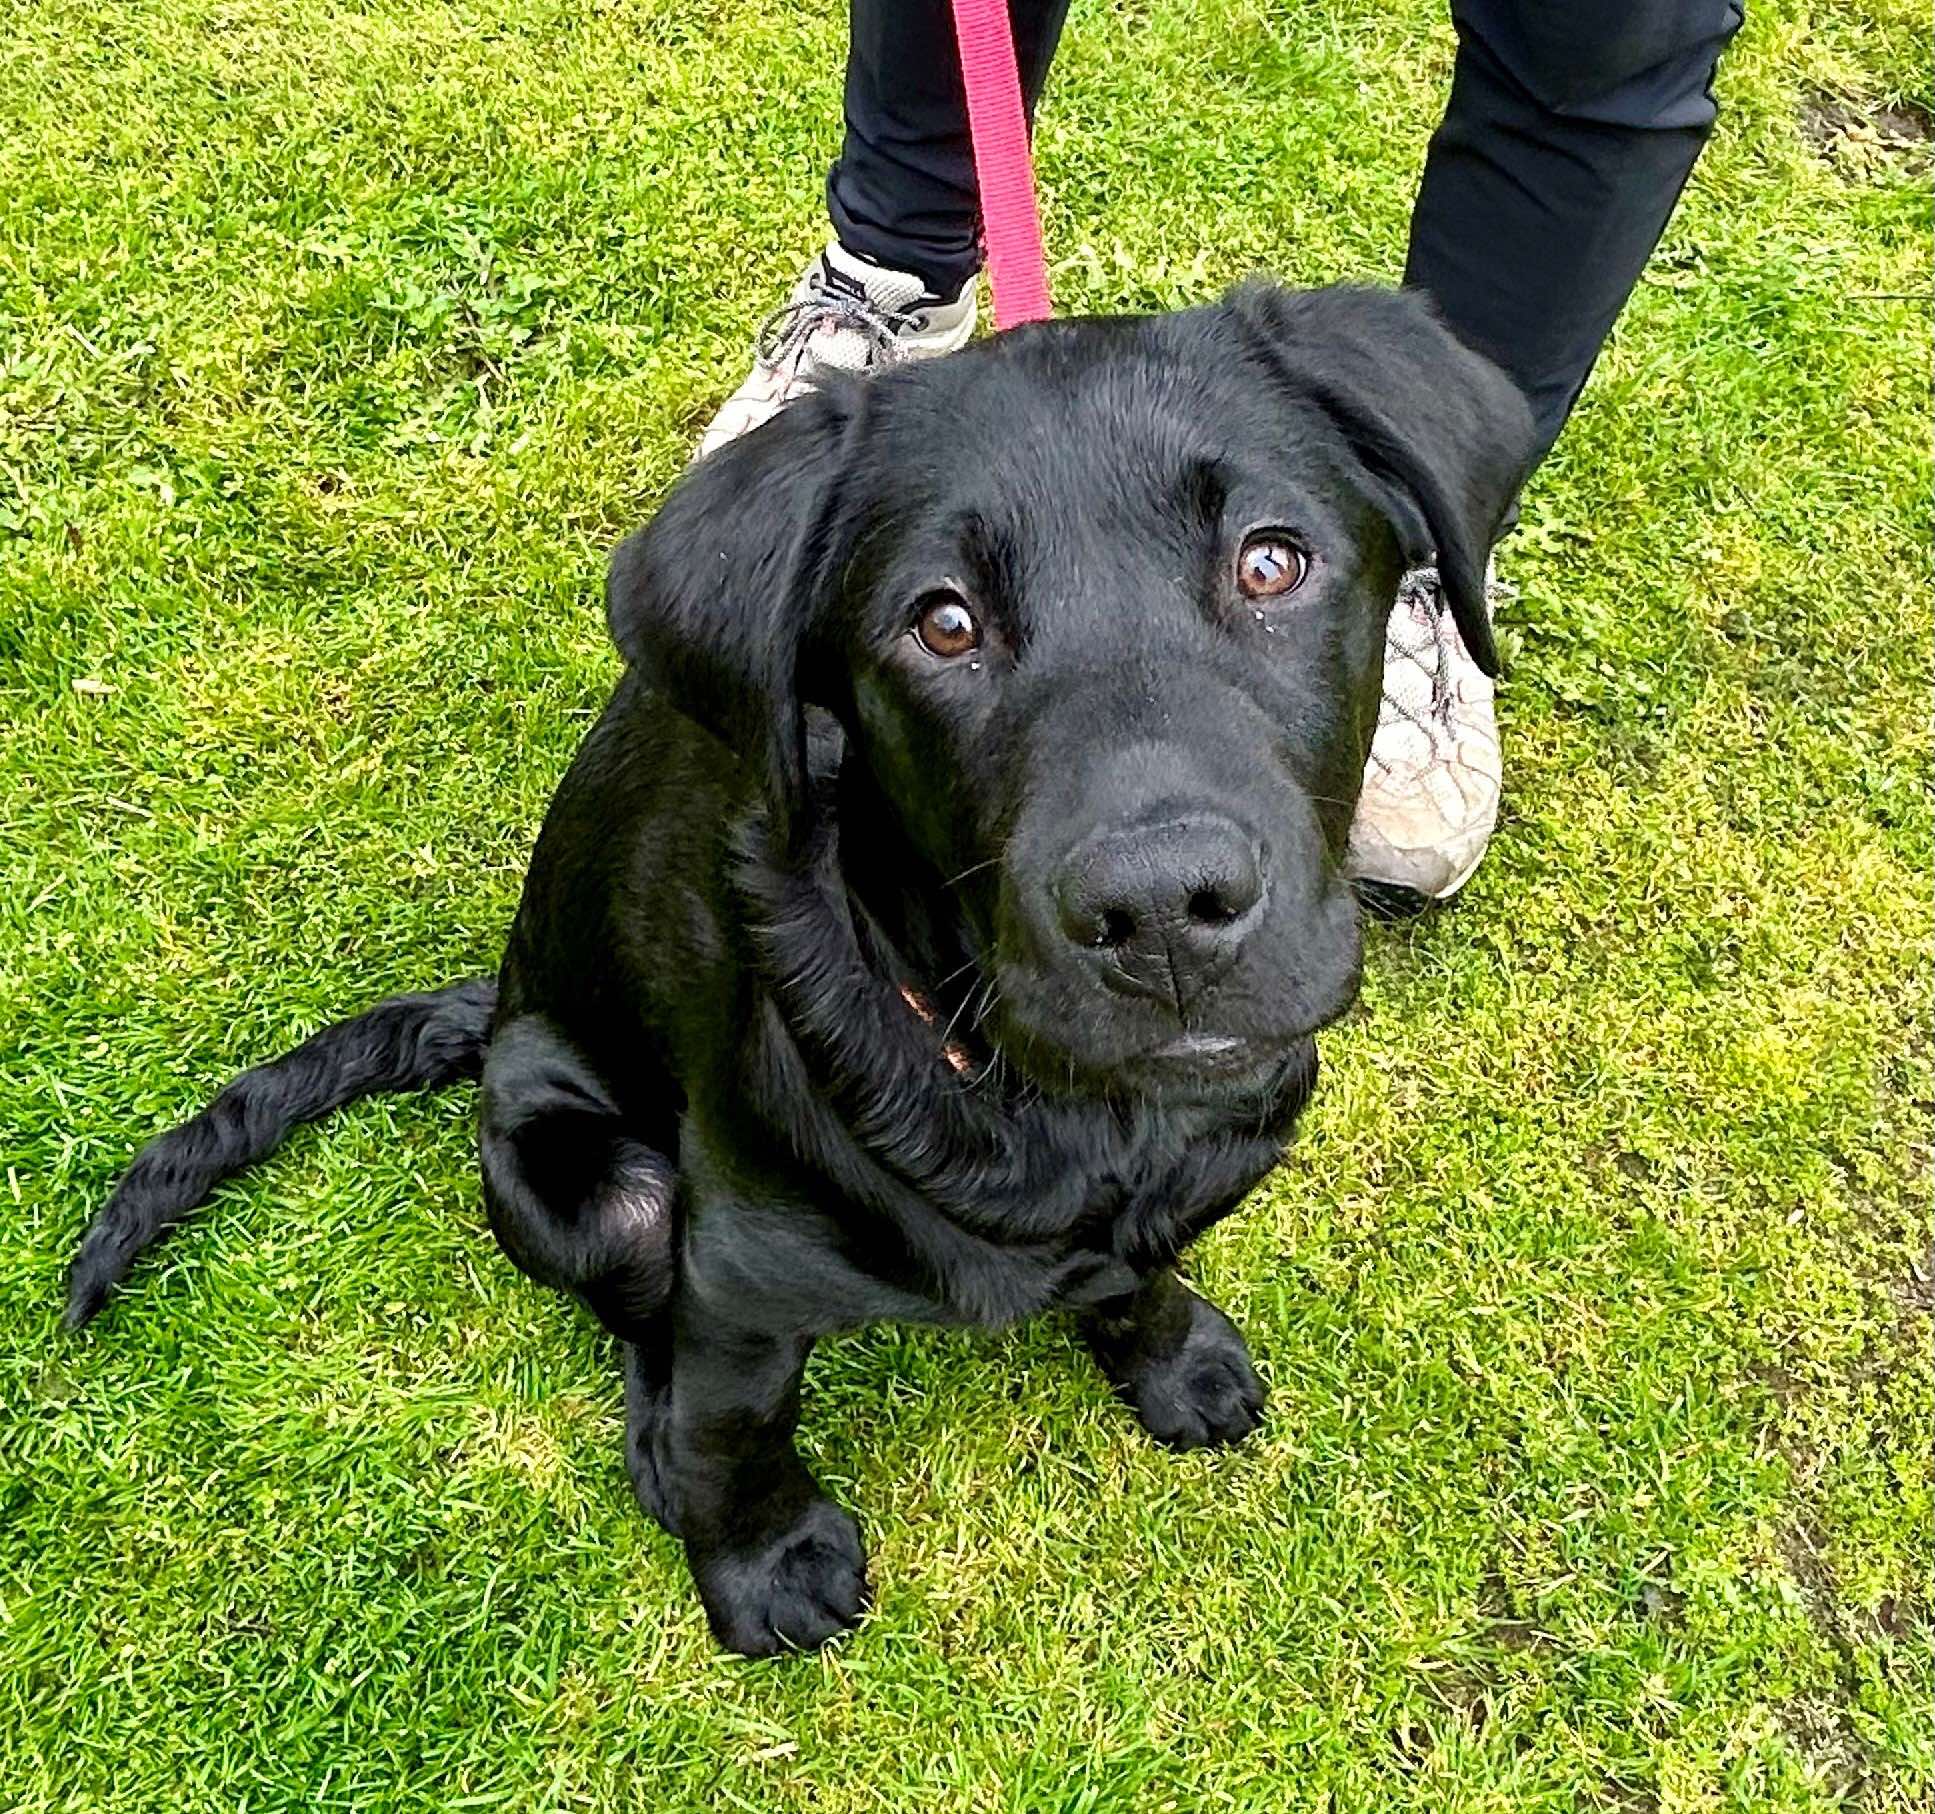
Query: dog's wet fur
(938,921)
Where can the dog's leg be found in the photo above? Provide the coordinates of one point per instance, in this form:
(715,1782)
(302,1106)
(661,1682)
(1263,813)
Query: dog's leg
(575,1198)
(648,1419)
(779,1566)
(1179,1362)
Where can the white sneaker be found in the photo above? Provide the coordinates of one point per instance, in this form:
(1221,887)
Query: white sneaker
(844,315)
(1431,785)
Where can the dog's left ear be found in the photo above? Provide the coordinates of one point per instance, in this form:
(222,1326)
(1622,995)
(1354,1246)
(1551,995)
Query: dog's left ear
(717,599)
(1444,437)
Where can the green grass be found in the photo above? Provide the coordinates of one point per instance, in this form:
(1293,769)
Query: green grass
(336,346)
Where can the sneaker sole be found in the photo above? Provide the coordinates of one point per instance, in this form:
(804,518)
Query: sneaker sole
(1396,901)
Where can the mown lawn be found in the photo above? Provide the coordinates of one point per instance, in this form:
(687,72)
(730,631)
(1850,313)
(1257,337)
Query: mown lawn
(336,345)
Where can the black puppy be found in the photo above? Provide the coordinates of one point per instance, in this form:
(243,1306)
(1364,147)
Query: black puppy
(936,924)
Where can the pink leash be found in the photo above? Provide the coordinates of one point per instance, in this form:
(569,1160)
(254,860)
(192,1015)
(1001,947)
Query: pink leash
(1003,166)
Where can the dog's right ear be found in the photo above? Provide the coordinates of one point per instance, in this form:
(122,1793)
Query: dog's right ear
(717,599)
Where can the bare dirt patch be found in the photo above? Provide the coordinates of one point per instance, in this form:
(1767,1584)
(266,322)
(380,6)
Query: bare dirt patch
(1860,138)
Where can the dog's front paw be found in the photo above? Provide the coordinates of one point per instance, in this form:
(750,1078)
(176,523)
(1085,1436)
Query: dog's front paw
(793,1592)
(1193,1387)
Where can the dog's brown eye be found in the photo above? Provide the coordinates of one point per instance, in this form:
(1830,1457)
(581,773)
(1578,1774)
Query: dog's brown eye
(1269,567)
(946,627)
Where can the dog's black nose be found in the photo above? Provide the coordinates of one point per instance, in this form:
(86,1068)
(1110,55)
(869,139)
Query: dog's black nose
(1170,902)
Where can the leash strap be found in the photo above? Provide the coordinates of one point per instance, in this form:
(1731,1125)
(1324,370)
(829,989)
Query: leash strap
(1004,169)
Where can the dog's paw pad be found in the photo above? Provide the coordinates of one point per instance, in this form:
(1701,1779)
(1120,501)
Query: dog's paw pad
(1203,1394)
(1202,1403)
(792,1593)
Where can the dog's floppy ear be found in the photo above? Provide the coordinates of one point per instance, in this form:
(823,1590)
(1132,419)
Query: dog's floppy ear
(1444,437)
(718,598)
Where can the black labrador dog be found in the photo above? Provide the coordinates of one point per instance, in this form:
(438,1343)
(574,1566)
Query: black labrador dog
(937,922)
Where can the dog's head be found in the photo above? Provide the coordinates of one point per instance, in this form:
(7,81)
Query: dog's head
(1101,607)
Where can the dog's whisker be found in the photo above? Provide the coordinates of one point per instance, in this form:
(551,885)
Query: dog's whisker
(972,869)
(989,996)
(947,1032)
(959,969)
(956,1015)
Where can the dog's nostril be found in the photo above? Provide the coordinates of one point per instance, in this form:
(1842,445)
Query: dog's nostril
(1207,907)
(1117,929)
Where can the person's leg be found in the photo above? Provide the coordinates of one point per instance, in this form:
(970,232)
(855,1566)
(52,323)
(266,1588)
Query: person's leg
(903,193)
(897,282)
(1571,129)
(1570,132)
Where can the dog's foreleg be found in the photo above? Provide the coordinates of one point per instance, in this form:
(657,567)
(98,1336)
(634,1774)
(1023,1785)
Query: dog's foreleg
(778,1565)
(1178,1361)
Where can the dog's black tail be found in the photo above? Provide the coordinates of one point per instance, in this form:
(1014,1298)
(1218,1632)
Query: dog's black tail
(410,1042)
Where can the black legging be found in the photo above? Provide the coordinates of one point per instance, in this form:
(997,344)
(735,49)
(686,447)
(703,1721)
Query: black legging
(1571,129)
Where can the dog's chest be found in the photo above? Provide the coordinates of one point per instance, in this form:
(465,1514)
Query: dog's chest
(1111,1211)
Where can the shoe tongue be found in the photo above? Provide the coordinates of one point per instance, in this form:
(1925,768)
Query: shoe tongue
(892,291)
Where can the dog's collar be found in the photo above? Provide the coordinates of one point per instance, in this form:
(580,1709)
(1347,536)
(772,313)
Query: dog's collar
(954,1054)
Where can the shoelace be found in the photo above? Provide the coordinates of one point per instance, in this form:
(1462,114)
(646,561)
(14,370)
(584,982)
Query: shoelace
(784,333)
(1422,599)
(1442,631)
